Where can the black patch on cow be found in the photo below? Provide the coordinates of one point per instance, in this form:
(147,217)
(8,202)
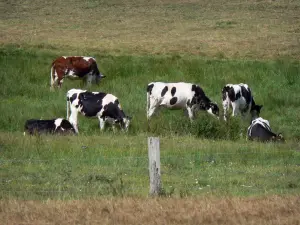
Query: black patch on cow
(198,91)
(73,97)
(238,95)
(188,103)
(194,87)
(149,88)
(173,101)
(113,111)
(231,94)
(91,103)
(214,108)
(94,68)
(246,94)
(164,91)
(173,91)
(117,102)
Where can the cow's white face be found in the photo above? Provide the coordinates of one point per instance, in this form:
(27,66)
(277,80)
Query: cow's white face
(126,121)
(213,109)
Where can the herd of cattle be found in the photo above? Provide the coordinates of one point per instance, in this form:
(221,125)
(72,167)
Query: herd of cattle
(107,108)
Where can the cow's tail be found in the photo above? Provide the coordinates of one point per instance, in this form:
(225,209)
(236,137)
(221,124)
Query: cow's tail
(52,77)
(148,103)
(68,106)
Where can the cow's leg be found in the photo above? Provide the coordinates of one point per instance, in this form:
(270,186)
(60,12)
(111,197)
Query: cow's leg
(89,79)
(225,103)
(52,78)
(102,123)
(73,118)
(191,113)
(154,104)
(59,82)
(235,109)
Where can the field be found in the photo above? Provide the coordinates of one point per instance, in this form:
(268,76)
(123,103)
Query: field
(51,179)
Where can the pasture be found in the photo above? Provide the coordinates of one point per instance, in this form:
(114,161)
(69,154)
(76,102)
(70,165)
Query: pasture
(209,162)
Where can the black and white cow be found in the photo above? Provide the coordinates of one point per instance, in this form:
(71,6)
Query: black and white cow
(96,104)
(179,96)
(260,130)
(54,126)
(240,98)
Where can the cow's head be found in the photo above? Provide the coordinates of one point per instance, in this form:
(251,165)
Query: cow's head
(279,137)
(255,110)
(124,122)
(213,109)
(99,77)
(66,128)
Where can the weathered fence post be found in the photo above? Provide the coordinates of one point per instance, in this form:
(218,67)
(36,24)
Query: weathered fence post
(154,165)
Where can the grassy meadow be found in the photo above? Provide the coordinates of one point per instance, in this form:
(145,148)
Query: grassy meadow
(210,43)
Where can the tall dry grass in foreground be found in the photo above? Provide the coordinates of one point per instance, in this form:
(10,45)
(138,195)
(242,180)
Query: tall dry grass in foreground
(214,28)
(266,210)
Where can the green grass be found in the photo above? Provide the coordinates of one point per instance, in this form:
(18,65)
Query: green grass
(206,157)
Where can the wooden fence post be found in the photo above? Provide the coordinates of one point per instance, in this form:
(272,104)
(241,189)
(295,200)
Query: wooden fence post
(154,165)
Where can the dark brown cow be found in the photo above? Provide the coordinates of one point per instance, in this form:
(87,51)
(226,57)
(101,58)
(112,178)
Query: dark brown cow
(76,67)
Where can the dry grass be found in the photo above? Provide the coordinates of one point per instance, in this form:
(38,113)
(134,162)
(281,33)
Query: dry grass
(267,210)
(239,28)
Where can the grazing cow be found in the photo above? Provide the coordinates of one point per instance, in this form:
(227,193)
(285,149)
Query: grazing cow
(76,67)
(96,104)
(179,96)
(241,100)
(260,130)
(54,126)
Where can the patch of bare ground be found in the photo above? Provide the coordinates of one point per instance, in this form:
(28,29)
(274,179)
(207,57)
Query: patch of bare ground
(239,28)
(254,210)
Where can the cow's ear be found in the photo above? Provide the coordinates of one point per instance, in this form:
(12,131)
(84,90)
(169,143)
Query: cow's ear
(260,107)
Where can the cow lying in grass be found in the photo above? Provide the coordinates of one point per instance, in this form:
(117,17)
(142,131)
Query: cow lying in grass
(260,130)
(54,126)
(179,96)
(239,96)
(96,104)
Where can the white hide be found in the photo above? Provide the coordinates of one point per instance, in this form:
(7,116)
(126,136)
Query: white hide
(57,122)
(239,104)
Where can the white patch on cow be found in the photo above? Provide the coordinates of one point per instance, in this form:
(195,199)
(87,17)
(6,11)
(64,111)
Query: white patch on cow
(210,111)
(57,122)
(86,58)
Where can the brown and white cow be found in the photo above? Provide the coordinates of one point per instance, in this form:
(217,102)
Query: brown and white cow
(76,67)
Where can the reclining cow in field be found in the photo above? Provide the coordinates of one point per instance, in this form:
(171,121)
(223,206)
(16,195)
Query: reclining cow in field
(179,96)
(240,98)
(54,126)
(260,130)
(96,104)
(76,67)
